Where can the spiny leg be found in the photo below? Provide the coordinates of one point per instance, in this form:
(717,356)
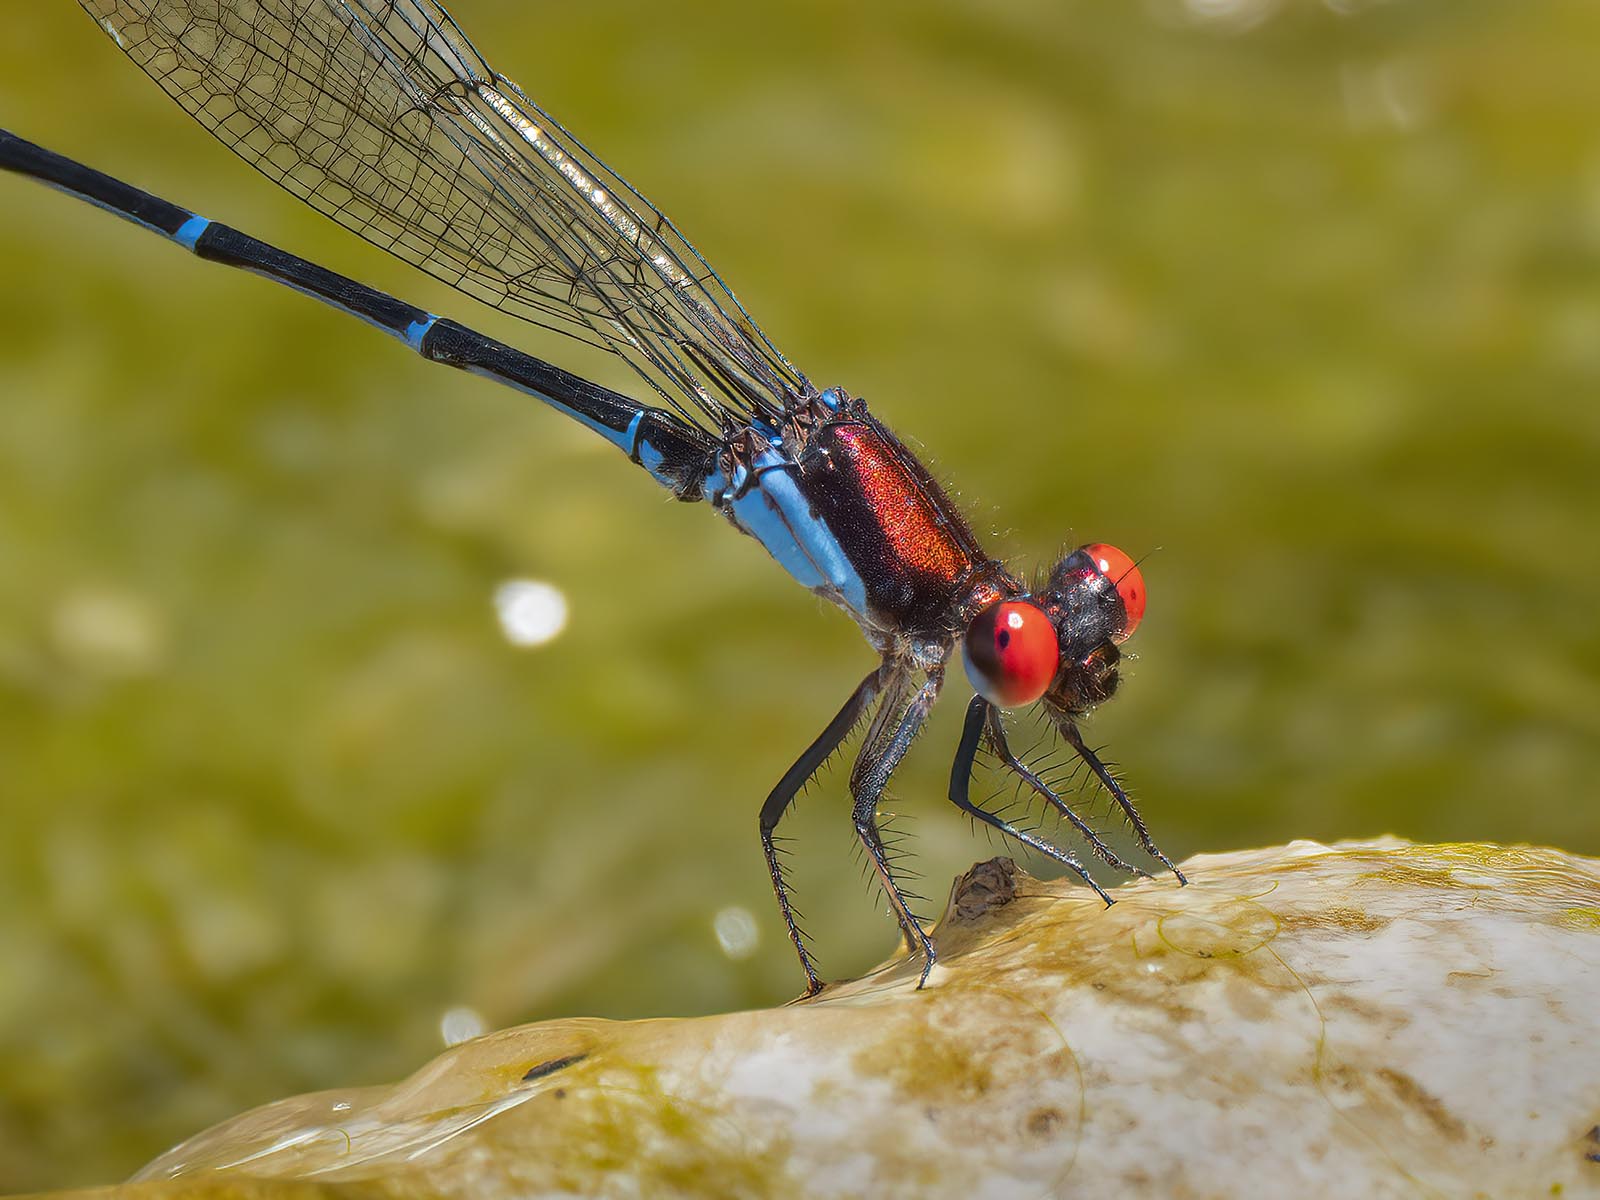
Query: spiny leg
(960,782)
(996,731)
(895,704)
(783,795)
(1069,730)
(893,730)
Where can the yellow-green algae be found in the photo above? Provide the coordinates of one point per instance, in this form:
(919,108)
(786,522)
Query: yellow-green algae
(1373,1019)
(1582,918)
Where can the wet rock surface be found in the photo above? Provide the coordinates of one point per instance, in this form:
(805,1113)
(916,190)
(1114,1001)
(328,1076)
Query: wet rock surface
(1369,1019)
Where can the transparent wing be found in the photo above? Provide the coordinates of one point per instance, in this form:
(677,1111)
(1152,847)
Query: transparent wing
(386,118)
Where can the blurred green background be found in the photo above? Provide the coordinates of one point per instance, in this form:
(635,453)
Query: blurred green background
(1305,297)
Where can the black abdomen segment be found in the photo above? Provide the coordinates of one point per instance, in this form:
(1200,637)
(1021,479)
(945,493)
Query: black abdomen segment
(675,452)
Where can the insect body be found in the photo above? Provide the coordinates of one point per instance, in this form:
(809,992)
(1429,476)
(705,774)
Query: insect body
(385,117)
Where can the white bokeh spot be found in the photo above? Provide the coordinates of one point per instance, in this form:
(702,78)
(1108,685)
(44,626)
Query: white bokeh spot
(531,612)
(737,931)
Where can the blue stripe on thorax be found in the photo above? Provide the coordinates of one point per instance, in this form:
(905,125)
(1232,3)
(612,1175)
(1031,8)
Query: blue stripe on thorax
(832,399)
(767,504)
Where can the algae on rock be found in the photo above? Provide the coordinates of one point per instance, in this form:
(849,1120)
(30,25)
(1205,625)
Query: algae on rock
(1369,1019)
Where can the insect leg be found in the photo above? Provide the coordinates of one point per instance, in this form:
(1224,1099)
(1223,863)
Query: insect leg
(896,726)
(783,795)
(996,731)
(1069,730)
(961,779)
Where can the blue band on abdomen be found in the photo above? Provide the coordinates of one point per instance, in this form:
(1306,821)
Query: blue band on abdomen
(189,232)
(418,330)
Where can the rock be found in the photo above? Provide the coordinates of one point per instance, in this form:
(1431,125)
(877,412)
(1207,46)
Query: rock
(1369,1019)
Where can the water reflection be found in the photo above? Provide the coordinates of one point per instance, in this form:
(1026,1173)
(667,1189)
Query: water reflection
(737,931)
(531,613)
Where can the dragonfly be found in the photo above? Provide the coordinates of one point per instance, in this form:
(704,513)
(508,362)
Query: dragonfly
(385,117)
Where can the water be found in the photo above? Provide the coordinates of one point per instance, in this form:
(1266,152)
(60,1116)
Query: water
(1307,303)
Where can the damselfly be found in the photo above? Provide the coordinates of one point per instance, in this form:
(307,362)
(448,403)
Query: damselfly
(386,118)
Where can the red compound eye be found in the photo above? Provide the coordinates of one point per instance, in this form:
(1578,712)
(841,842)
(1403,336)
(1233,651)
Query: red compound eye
(1124,573)
(1011,653)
